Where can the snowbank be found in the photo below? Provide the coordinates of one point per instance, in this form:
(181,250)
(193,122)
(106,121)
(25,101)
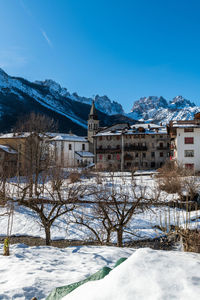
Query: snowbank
(147,274)
(35,271)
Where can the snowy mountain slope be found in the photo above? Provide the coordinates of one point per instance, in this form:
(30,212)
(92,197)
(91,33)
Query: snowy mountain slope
(102,103)
(19,96)
(157,109)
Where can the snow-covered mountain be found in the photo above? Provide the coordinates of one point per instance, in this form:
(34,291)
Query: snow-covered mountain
(19,96)
(102,103)
(157,109)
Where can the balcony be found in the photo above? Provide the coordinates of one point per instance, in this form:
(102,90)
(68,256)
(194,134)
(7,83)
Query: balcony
(135,148)
(162,148)
(108,150)
(128,157)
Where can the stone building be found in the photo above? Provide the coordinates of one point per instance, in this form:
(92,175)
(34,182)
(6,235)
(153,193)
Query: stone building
(124,147)
(8,161)
(20,143)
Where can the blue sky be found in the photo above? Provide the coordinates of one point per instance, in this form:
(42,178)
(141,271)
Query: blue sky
(124,49)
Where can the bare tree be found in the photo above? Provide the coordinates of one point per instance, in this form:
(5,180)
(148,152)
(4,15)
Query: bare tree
(34,156)
(55,197)
(43,187)
(114,205)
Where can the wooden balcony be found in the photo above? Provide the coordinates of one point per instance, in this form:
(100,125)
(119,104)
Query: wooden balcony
(135,148)
(108,150)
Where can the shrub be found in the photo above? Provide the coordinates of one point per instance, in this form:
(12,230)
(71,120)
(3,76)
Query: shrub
(74,177)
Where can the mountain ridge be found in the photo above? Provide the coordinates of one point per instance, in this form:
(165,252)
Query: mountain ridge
(158,109)
(19,96)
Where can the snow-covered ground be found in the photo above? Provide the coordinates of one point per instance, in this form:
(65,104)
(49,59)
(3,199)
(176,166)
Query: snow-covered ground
(35,271)
(143,225)
(147,274)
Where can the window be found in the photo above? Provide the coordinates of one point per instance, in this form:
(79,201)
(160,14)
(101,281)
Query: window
(152,164)
(109,156)
(161,145)
(189,153)
(109,137)
(153,136)
(188,129)
(118,146)
(100,156)
(161,136)
(189,140)
(83,146)
(70,146)
(143,155)
(118,137)
(152,154)
(189,166)
(100,138)
(118,156)
(136,154)
(161,154)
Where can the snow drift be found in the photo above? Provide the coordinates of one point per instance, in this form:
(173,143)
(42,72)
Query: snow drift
(147,274)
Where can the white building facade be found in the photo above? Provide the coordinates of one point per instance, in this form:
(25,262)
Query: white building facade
(71,150)
(185,143)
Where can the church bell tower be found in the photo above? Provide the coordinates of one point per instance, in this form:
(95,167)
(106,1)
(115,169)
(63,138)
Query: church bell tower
(93,125)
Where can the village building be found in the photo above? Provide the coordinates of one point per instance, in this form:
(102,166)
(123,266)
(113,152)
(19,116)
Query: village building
(22,144)
(124,147)
(71,150)
(8,161)
(185,142)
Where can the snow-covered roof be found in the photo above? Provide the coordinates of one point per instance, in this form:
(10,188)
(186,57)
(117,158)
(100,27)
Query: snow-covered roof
(147,125)
(69,137)
(8,149)
(186,125)
(132,131)
(15,135)
(85,154)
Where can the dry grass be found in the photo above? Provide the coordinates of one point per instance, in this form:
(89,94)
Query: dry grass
(74,177)
(191,240)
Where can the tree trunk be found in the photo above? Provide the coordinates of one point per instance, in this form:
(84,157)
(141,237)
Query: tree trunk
(108,236)
(48,235)
(120,237)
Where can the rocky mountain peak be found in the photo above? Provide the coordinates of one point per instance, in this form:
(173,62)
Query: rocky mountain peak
(180,102)
(147,103)
(111,107)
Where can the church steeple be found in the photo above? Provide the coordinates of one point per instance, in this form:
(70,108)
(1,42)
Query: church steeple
(93,123)
(93,112)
